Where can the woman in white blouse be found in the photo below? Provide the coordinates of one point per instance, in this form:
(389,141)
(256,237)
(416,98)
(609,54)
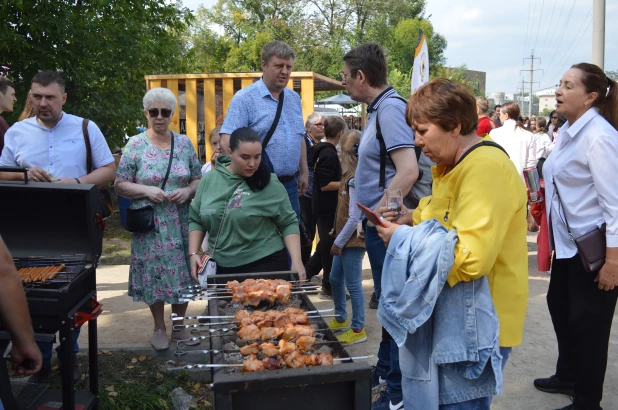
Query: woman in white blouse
(583,166)
(515,139)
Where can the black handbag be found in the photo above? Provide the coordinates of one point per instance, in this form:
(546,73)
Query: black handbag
(271,131)
(107,205)
(141,220)
(591,246)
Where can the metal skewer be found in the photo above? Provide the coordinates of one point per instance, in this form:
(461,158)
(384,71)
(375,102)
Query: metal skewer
(225,284)
(175,317)
(207,366)
(220,291)
(196,339)
(180,353)
(199,366)
(209,285)
(187,297)
(197,325)
(342,359)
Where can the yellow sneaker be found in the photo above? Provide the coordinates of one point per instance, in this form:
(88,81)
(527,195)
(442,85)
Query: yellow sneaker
(350,337)
(334,325)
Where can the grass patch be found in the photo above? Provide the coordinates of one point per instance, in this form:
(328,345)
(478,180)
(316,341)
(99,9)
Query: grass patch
(114,229)
(115,254)
(136,382)
(116,241)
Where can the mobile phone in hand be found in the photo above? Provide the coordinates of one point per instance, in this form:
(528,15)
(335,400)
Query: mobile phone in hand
(371,215)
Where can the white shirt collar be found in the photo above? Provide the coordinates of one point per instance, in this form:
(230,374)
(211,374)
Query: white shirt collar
(36,121)
(573,130)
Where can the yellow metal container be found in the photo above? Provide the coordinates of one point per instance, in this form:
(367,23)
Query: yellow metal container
(205,98)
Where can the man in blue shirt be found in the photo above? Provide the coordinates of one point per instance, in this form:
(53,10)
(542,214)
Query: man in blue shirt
(365,78)
(255,107)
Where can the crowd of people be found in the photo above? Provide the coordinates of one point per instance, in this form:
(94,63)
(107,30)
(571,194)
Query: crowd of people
(455,238)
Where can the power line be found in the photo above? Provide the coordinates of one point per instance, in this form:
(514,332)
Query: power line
(578,41)
(551,19)
(525,42)
(552,42)
(563,61)
(527,27)
(539,26)
(563,31)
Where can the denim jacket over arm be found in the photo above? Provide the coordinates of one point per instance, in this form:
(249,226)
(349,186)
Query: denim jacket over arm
(463,322)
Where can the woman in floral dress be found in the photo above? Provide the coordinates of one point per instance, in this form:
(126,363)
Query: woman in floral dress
(159,259)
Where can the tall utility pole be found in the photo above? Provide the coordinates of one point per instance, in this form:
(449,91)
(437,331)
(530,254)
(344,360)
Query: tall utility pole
(531,70)
(598,33)
(522,93)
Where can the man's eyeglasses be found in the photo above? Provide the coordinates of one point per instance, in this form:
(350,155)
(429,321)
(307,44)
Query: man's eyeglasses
(319,125)
(165,112)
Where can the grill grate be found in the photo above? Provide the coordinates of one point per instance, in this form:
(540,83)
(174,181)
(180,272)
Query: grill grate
(74,264)
(26,393)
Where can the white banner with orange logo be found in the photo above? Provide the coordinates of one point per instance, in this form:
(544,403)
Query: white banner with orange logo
(420,70)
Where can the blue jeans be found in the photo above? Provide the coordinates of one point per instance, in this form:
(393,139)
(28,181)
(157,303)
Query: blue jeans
(376,252)
(483,403)
(46,348)
(291,187)
(388,353)
(346,273)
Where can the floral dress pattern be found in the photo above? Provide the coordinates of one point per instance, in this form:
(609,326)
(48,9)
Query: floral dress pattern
(159,259)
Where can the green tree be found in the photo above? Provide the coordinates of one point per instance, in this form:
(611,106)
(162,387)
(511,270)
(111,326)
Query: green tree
(102,48)
(458,75)
(403,45)
(320,31)
(545,112)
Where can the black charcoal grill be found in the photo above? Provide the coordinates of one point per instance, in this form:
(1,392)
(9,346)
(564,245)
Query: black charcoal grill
(47,224)
(341,386)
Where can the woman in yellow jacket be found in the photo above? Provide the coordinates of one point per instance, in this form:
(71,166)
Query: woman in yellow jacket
(478,192)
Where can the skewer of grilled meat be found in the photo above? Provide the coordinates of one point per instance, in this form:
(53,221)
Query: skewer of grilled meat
(304,343)
(278,318)
(294,360)
(288,333)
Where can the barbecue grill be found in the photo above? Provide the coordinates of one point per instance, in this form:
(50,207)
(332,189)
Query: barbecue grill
(342,386)
(53,224)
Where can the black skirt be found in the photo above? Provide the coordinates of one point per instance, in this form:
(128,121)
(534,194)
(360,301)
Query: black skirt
(275,262)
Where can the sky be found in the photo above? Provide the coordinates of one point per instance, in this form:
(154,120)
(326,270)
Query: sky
(497,36)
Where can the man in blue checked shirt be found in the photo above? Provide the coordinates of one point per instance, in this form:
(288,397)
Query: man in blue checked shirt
(255,107)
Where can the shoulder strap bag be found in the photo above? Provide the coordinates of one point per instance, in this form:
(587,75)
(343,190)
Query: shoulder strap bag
(107,205)
(591,246)
(384,153)
(209,265)
(269,134)
(141,220)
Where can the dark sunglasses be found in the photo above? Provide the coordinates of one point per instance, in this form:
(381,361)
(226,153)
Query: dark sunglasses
(554,118)
(165,112)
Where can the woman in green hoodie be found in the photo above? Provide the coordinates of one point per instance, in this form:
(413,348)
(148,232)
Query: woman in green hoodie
(246,212)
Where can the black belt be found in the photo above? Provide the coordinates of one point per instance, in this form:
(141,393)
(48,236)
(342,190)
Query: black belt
(283,180)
